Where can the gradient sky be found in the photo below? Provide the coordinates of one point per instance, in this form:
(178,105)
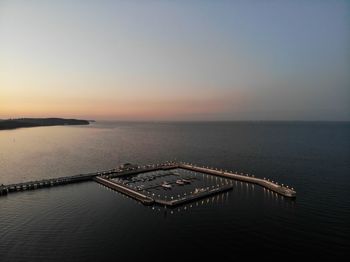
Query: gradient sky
(175,60)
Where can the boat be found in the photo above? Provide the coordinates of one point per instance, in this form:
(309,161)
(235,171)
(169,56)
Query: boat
(166,185)
(186,181)
(180,182)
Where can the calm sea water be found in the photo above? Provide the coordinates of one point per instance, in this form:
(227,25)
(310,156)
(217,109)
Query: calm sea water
(88,222)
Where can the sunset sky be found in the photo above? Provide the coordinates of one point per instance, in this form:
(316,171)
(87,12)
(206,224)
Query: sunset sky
(175,60)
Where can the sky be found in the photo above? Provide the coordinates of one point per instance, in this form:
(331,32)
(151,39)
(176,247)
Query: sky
(175,60)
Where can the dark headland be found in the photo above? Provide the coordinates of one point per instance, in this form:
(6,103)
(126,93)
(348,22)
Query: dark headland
(33,122)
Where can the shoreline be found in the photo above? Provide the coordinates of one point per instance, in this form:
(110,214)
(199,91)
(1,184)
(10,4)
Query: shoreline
(10,124)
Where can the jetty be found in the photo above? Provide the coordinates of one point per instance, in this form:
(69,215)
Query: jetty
(266,183)
(32,185)
(113,178)
(123,189)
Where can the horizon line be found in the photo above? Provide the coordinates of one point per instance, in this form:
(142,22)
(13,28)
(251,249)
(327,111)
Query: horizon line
(176,120)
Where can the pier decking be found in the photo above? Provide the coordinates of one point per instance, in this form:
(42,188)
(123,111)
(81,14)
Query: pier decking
(106,178)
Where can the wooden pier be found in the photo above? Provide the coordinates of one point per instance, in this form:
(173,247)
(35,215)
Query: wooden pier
(32,185)
(112,173)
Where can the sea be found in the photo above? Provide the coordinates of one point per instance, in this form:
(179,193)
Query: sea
(89,222)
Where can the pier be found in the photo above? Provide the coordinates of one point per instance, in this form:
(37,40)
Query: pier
(123,189)
(32,185)
(140,193)
(194,196)
(273,186)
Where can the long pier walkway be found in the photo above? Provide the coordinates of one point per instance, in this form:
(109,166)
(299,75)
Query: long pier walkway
(32,185)
(51,182)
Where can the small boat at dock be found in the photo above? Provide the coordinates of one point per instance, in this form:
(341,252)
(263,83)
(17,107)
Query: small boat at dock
(180,182)
(166,185)
(186,181)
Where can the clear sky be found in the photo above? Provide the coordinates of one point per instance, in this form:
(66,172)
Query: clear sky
(175,60)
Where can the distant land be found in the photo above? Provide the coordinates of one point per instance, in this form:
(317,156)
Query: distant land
(33,122)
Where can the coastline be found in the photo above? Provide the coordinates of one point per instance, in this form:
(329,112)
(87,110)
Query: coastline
(9,124)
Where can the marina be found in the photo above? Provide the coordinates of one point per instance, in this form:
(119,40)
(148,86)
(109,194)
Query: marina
(168,184)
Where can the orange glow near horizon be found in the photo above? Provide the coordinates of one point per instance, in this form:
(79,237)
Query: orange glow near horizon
(116,109)
(95,97)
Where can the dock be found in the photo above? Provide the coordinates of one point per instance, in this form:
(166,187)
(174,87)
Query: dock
(51,182)
(193,196)
(106,178)
(125,190)
(33,185)
(271,185)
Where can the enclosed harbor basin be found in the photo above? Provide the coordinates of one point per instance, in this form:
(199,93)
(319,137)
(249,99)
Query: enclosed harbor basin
(168,184)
